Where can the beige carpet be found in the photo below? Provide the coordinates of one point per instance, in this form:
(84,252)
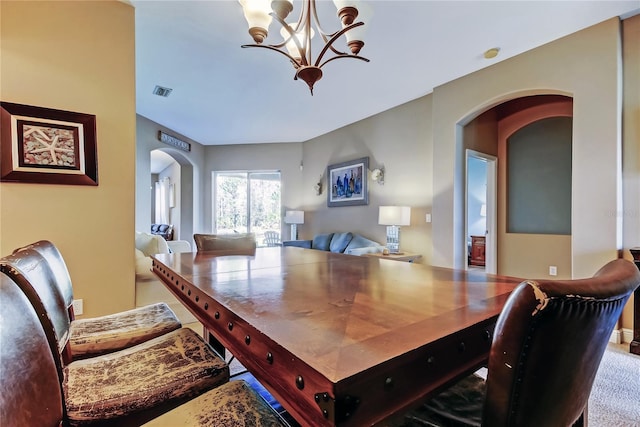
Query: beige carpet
(615,396)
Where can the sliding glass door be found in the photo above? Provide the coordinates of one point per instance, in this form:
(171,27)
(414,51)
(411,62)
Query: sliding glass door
(247,202)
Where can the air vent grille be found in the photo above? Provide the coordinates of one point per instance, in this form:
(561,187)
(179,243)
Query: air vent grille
(162,91)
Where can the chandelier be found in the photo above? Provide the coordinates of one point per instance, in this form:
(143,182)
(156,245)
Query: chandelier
(296,43)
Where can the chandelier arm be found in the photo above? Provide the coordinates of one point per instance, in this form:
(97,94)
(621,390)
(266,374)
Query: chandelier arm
(333,38)
(295,62)
(292,36)
(324,34)
(346,55)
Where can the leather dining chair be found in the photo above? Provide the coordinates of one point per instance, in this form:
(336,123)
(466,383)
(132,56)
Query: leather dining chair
(100,335)
(547,346)
(122,386)
(32,394)
(226,244)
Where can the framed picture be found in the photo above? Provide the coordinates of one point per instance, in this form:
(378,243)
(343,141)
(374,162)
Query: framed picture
(347,183)
(46,146)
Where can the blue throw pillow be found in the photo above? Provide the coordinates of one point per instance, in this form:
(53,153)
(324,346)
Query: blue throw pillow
(340,241)
(322,241)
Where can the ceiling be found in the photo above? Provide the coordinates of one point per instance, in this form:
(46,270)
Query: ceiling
(223,94)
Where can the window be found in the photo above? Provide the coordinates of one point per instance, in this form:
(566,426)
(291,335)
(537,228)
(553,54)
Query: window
(247,202)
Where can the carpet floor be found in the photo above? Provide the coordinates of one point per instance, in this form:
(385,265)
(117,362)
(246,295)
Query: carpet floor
(615,396)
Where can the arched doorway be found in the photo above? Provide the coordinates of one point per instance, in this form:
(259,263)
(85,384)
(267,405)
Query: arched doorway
(520,253)
(172,175)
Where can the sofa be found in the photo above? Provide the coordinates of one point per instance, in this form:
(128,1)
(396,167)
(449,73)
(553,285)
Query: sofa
(347,242)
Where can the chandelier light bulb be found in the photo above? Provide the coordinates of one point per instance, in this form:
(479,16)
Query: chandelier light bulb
(291,45)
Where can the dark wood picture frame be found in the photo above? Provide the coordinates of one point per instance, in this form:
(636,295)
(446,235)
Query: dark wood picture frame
(353,188)
(47,146)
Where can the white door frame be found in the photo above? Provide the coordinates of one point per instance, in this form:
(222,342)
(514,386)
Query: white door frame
(491,243)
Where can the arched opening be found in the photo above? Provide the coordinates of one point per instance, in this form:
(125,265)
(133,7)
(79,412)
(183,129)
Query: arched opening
(489,133)
(172,199)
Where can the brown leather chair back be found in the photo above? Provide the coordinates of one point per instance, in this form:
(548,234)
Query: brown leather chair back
(226,244)
(59,268)
(31,393)
(548,343)
(31,272)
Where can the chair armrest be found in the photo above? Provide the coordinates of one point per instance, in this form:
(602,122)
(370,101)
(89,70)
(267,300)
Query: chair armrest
(298,243)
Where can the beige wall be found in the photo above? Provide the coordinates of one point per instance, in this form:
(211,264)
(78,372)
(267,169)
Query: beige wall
(191,191)
(77,56)
(630,213)
(584,65)
(398,140)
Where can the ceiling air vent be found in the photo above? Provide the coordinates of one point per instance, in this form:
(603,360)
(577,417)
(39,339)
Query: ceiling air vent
(162,91)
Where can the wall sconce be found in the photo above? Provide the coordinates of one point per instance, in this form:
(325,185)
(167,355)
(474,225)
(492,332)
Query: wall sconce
(393,217)
(377,175)
(294,218)
(318,186)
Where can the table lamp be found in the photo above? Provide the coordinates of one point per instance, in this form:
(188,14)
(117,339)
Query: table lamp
(394,217)
(294,218)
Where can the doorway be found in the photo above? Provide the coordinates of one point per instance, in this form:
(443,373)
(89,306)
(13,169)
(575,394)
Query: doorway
(480,217)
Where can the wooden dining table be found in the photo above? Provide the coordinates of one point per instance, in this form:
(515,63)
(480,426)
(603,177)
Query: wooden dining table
(340,339)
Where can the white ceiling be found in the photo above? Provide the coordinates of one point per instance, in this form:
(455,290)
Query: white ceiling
(223,94)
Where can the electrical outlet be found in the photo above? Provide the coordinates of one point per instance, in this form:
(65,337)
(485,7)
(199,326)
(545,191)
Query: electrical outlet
(427,217)
(78,307)
(553,270)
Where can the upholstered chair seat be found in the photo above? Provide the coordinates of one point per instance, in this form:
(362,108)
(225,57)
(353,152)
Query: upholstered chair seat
(226,244)
(32,393)
(99,335)
(120,386)
(234,404)
(547,346)
(173,367)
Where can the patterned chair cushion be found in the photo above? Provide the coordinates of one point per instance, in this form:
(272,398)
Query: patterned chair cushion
(234,404)
(101,335)
(459,405)
(173,367)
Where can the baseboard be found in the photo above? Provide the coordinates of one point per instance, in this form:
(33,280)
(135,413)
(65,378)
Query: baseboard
(619,336)
(616,336)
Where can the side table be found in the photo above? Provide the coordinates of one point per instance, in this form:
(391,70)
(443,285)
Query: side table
(402,256)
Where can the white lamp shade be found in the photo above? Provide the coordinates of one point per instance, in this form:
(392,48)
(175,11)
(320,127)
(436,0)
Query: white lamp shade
(364,15)
(256,12)
(394,215)
(294,217)
(345,3)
